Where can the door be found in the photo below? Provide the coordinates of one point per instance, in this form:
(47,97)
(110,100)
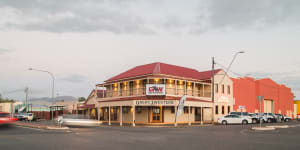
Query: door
(197,114)
(156,114)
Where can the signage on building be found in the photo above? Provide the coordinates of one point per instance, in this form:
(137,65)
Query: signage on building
(155,89)
(154,102)
(241,107)
(223,99)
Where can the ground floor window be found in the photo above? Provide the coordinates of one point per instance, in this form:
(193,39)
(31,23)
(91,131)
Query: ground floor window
(217,109)
(228,109)
(186,110)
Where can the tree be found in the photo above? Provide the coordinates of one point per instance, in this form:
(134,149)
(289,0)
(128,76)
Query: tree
(81,99)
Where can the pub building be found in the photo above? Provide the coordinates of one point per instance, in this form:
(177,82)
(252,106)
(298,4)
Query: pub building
(149,94)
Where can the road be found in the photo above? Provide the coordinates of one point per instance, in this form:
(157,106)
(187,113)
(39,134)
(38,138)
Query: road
(128,138)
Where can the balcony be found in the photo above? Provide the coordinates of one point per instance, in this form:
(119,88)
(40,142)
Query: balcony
(132,92)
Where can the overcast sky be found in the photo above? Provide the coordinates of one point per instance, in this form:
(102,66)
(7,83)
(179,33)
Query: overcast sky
(84,42)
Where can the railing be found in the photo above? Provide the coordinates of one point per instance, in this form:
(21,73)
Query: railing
(169,91)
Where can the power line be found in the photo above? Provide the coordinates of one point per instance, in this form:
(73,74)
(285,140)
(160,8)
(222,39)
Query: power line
(238,74)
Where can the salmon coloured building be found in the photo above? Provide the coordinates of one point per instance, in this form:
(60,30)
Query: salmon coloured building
(149,94)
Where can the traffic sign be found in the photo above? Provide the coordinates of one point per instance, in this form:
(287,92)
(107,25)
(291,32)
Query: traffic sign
(260,98)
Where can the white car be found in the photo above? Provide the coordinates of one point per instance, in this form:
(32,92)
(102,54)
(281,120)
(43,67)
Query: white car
(77,120)
(234,119)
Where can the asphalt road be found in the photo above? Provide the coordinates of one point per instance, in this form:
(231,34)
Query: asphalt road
(141,138)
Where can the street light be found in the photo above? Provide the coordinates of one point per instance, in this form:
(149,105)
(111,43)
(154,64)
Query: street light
(213,79)
(52,76)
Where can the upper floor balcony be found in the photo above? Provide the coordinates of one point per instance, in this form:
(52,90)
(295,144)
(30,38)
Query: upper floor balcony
(173,87)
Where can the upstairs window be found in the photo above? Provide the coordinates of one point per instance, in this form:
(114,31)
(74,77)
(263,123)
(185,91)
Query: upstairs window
(228,90)
(223,89)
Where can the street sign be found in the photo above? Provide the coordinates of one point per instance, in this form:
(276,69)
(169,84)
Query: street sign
(241,107)
(260,98)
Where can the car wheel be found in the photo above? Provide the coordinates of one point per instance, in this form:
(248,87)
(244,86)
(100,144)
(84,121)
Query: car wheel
(254,121)
(224,122)
(244,122)
(269,120)
(286,120)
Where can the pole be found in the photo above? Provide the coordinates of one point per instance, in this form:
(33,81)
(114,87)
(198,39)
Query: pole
(26,102)
(213,88)
(53,80)
(260,113)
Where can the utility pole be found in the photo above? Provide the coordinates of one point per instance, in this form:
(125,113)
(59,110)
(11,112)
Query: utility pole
(26,102)
(213,89)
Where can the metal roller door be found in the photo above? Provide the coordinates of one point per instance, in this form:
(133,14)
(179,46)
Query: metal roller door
(268,106)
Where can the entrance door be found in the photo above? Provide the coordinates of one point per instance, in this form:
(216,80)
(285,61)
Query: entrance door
(197,114)
(156,114)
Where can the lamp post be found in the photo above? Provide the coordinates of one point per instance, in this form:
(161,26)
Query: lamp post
(53,79)
(213,80)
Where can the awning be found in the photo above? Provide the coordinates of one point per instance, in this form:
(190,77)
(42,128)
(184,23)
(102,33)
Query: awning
(86,106)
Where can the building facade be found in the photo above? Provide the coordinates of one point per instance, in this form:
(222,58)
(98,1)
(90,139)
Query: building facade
(150,94)
(277,98)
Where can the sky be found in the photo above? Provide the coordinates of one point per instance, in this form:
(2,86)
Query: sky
(85,42)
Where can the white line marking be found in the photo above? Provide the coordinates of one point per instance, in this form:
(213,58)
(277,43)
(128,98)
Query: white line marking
(31,128)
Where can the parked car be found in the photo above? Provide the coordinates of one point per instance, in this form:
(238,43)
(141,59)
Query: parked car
(261,117)
(5,118)
(252,116)
(26,116)
(271,117)
(76,120)
(239,113)
(234,119)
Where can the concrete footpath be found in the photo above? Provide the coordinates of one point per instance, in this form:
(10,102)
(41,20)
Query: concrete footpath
(40,125)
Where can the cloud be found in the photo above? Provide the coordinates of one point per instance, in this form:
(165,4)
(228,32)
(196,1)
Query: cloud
(239,14)
(75,78)
(70,16)
(144,17)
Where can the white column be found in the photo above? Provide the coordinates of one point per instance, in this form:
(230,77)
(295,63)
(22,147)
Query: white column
(109,122)
(133,116)
(175,87)
(203,90)
(121,116)
(175,122)
(190,123)
(201,109)
(185,88)
(119,89)
(98,113)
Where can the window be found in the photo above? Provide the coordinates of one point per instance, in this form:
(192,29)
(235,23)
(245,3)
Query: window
(223,110)
(186,110)
(217,88)
(217,109)
(125,110)
(228,109)
(223,89)
(172,110)
(228,89)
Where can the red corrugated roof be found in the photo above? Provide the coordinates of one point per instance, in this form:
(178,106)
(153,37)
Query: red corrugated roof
(162,68)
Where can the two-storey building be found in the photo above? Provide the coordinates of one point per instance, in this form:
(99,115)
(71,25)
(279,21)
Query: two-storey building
(150,94)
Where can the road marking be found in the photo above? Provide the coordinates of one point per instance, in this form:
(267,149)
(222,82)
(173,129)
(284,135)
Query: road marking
(31,128)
